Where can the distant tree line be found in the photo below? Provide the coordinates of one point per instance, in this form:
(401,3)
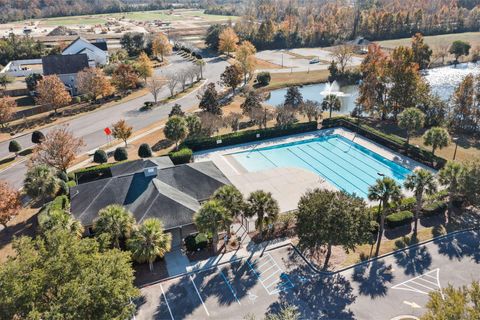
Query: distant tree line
(14,10)
(291,24)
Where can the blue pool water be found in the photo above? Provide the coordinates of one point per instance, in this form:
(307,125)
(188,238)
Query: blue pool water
(345,164)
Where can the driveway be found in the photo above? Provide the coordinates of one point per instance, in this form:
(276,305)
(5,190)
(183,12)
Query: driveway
(384,289)
(90,126)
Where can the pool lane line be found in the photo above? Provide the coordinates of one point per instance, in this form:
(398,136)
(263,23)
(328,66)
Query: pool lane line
(168,306)
(334,159)
(396,171)
(343,178)
(346,161)
(198,293)
(260,152)
(229,286)
(315,169)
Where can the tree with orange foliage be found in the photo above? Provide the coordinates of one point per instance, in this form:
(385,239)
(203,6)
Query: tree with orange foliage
(121,130)
(161,46)
(93,83)
(10,203)
(124,77)
(57,150)
(52,92)
(144,66)
(245,55)
(228,40)
(7,108)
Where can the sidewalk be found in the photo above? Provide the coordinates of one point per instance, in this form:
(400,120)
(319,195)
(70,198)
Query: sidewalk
(247,249)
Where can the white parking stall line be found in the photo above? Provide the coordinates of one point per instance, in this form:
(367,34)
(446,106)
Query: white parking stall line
(423,279)
(272,266)
(229,286)
(199,296)
(166,301)
(414,283)
(421,285)
(268,261)
(274,273)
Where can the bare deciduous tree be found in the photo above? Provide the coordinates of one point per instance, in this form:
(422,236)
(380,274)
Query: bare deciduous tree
(183,78)
(343,54)
(155,85)
(210,123)
(172,81)
(58,149)
(233,121)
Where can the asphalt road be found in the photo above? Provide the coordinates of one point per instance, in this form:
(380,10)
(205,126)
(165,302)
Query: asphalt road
(90,126)
(385,289)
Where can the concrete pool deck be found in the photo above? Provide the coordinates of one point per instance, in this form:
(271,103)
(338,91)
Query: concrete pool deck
(288,184)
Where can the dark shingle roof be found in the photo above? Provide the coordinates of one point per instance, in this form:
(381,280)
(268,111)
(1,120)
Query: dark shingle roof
(100,44)
(64,64)
(173,195)
(138,165)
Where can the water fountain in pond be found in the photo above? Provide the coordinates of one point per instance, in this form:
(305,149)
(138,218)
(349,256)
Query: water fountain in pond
(332,88)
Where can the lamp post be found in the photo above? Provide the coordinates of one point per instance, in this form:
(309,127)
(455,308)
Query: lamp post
(456,146)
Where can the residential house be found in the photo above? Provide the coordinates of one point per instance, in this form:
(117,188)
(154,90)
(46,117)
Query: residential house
(66,67)
(360,45)
(153,188)
(97,51)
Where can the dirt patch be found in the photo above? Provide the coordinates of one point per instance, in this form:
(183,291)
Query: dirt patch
(143,275)
(24,224)
(263,65)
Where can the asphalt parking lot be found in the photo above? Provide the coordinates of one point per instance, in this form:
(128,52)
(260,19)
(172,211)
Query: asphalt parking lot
(384,289)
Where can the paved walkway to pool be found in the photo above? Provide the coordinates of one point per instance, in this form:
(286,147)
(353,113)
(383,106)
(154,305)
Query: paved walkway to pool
(288,184)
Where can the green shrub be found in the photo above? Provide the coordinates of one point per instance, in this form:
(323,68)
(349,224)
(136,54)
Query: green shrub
(62,176)
(195,242)
(77,99)
(71,176)
(441,195)
(399,219)
(203,143)
(147,105)
(100,156)
(62,188)
(263,78)
(434,208)
(60,203)
(144,151)
(71,184)
(14,146)
(407,204)
(93,173)
(184,155)
(120,154)
(37,137)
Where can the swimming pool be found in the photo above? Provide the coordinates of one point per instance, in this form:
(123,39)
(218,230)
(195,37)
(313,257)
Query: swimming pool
(345,164)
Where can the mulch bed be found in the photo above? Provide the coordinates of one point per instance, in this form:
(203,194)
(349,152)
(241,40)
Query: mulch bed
(277,232)
(143,275)
(194,256)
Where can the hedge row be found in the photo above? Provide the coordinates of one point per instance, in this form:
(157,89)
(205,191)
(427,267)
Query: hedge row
(94,173)
(399,219)
(196,242)
(434,208)
(391,141)
(204,143)
(181,156)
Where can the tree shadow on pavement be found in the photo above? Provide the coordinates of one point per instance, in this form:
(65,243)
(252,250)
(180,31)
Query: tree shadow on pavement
(415,260)
(319,297)
(463,245)
(372,278)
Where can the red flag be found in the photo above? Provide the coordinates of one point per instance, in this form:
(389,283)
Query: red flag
(107,131)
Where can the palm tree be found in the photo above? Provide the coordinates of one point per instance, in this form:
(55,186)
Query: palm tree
(420,182)
(211,218)
(331,103)
(149,242)
(450,177)
(264,206)
(231,199)
(116,221)
(60,219)
(383,190)
(41,182)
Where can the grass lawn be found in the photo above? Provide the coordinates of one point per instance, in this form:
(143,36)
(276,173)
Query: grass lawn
(285,79)
(468,145)
(163,15)
(436,41)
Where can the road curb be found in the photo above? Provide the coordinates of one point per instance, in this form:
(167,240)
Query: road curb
(330,273)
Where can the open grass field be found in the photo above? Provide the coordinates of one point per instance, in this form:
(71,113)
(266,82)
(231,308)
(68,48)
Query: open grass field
(164,15)
(285,79)
(436,41)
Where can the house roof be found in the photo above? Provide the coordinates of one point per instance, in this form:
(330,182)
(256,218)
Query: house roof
(100,44)
(172,194)
(130,167)
(359,41)
(64,64)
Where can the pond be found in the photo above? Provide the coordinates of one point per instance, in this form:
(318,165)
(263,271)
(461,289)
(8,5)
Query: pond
(443,81)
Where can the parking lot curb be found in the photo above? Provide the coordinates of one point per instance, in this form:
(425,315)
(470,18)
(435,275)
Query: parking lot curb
(331,273)
(274,247)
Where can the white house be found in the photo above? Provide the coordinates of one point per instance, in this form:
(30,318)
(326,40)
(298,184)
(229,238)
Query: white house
(22,68)
(96,51)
